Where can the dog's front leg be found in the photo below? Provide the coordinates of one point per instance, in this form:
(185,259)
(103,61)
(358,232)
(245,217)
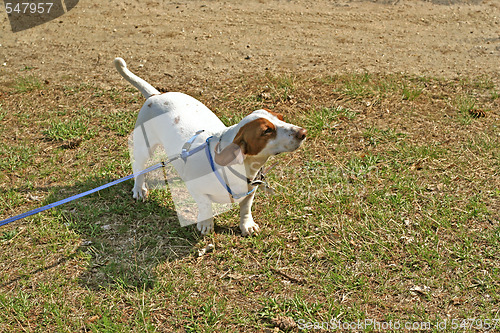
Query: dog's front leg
(247,225)
(205,217)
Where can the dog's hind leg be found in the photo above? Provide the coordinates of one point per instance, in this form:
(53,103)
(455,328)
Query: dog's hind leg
(140,190)
(141,153)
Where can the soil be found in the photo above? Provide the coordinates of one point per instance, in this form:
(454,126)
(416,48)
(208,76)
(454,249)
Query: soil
(212,41)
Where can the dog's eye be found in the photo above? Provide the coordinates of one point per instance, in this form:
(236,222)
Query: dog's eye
(268,130)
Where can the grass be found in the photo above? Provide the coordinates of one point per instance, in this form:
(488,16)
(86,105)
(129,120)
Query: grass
(464,105)
(324,121)
(388,212)
(67,130)
(3,113)
(28,83)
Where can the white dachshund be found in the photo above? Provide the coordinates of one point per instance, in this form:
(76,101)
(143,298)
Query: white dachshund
(229,169)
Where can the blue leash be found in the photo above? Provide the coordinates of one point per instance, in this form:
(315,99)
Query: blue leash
(77,196)
(185,153)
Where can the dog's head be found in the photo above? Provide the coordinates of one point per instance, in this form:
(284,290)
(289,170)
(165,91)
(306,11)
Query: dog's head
(261,134)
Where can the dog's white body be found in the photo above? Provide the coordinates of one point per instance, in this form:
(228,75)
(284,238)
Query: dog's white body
(172,118)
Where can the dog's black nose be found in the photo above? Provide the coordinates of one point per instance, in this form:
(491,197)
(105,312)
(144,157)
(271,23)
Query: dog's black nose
(301,134)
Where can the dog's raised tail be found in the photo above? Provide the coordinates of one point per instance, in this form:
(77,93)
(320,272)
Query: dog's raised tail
(145,88)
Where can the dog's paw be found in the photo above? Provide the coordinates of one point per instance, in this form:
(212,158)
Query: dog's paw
(249,228)
(140,194)
(206,226)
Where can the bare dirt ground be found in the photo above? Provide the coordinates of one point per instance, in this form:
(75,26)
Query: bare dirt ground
(210,41)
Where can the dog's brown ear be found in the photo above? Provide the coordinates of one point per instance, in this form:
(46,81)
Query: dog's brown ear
(230,155)
(276,114)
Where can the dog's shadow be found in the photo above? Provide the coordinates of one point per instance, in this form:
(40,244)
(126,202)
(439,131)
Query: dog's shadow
(126,241)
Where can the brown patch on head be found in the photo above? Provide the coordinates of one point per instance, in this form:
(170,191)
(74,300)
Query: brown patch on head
(251,139)
(253,136)
(177,119)
(276,114)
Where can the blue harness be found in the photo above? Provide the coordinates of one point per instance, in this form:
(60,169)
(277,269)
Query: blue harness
(186,153)
(217,174)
